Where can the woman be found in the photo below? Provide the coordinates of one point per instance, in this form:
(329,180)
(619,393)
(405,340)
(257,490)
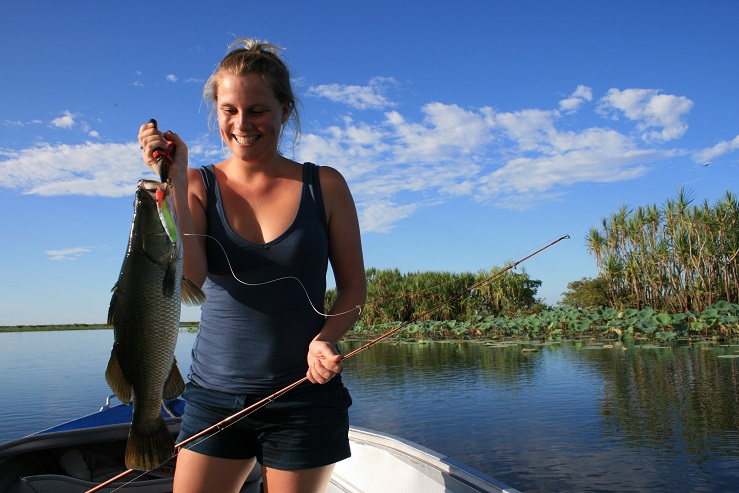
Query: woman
(276,223)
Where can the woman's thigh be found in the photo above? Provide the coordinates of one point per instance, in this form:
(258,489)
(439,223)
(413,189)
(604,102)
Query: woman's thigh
(198,473)
(302,481)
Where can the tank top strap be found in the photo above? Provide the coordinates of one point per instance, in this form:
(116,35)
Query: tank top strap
(207,173)
(311,177)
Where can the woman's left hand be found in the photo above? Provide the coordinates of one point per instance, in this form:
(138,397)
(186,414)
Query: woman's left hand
(324,363)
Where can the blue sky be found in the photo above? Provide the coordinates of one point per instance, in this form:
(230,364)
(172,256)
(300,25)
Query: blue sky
(471,132)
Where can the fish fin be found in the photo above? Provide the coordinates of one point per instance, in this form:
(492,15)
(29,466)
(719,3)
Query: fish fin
(170,281)
(167,410)
(116,380)
(174,385)
(147,452)
(191,293)
(111,307)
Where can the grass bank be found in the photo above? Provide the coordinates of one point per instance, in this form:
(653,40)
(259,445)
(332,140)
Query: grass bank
(190,326)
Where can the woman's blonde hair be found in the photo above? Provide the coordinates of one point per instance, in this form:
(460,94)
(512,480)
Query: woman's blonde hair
(252,56)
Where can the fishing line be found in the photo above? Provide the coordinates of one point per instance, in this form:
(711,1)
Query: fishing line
(358,307)
(412,294)
(305,290)
(234,418)
(202,436)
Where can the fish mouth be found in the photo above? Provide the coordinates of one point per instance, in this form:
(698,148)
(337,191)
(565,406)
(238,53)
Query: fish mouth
(151,187)
(158,194)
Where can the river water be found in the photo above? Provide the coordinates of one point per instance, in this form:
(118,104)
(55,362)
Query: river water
(570,417)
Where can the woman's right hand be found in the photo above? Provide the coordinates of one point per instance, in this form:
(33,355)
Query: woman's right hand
(151,139)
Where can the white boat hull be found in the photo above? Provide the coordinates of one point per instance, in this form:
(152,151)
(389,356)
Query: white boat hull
(79,455)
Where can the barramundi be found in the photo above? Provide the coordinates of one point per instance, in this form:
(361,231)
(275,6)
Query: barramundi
(145,314)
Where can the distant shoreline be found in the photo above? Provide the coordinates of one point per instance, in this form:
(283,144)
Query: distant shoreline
(52,328)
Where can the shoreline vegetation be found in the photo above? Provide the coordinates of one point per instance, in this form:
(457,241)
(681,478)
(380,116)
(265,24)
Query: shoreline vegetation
(665,273)
(59,327)
(716,323)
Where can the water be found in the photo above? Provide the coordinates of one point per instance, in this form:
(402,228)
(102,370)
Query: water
(568,418)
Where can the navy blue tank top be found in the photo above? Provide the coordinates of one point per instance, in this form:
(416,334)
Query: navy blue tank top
(254,339)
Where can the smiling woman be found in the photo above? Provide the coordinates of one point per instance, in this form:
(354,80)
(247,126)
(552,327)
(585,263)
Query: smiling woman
(268,67)
(275,218)
(553,131)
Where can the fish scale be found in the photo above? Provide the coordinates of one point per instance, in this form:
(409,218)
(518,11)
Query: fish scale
(145,314)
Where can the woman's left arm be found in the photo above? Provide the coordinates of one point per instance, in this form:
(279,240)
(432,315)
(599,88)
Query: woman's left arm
(347,263)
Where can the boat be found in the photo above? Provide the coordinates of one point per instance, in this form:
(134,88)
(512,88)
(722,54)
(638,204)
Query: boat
(79,455)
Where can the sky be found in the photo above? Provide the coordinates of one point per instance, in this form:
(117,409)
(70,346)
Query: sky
(471,133)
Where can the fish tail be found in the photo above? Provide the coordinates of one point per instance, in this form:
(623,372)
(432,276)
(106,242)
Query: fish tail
(147,452)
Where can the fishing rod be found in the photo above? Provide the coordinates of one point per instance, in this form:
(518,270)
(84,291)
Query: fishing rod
(270,398)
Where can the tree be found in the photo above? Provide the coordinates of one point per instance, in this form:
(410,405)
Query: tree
(676,258)
(586,293)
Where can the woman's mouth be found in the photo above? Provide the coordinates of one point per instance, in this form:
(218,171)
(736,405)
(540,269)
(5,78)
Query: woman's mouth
(246,140)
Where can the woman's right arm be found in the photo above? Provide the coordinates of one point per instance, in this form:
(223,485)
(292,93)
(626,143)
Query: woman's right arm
(189,198)
(194,220)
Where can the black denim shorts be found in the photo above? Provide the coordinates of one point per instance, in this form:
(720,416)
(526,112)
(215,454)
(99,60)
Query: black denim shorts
(306,427)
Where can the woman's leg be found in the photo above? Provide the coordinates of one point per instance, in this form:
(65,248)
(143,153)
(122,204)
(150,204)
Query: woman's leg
(198,473)
(302,481)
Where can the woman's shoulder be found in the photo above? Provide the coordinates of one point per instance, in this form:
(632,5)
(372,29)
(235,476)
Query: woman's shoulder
(336,194)
(196,185)
(331,178)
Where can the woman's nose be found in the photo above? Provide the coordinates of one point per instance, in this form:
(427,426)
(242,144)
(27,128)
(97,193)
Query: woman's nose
(243,122)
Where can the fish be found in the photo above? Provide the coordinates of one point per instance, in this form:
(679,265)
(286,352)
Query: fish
(145,314)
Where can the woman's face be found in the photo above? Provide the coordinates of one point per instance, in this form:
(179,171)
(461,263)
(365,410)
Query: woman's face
(249,116)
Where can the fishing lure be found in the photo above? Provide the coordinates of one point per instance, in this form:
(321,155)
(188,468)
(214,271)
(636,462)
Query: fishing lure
(165,214)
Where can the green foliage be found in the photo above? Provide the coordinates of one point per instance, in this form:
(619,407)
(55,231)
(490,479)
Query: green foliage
(586,293)
(393,296)
(565,322)
(678,257)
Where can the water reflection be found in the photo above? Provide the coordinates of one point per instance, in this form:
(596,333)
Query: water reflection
(569,417)
(674,396)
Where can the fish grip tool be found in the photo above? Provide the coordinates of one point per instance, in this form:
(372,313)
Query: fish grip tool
(164,157)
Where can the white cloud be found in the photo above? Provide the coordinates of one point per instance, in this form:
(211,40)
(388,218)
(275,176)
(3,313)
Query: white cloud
(397,163)
(530,129)
(360,97)
(19,123)
(380,217)
(446,131)
(109,170)
(92,169)
(581,95)
(723,147)
(507,159)
(68,253)
(658,116)
(171,78)
(64,121)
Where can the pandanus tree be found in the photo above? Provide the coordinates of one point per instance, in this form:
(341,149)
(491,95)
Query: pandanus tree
(678,257)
